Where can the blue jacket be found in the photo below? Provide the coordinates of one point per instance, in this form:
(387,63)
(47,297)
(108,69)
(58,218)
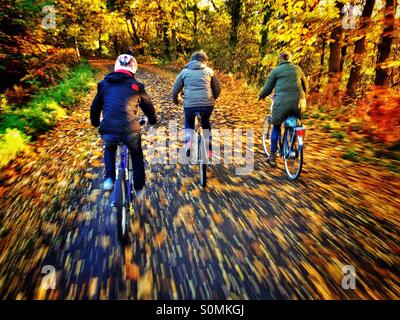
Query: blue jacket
(119,96)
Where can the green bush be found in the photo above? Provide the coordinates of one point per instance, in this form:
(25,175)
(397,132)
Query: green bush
(46,108)
(42,112)
(11,120)
(352,155)
(71,90)
(40,118)
(326,127)
(338,135)
(12,142)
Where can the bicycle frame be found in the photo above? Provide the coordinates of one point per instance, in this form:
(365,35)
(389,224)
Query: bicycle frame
(286,143)
(289,144)
(123,171)
(202,159)
(123,196)
(298,131)
(201,143)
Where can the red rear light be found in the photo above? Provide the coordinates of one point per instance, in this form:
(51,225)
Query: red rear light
(301,132)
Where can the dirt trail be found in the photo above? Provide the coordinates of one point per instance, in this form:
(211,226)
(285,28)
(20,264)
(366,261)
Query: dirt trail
(252,237)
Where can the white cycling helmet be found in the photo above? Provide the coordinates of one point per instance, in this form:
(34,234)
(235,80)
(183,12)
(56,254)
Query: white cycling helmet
(126,62)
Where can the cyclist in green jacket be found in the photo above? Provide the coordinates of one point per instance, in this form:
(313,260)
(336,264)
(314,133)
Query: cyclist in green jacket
(290,86)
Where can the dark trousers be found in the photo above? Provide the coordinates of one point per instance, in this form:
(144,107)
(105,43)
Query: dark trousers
(133,142)
(190,115)
(276,132)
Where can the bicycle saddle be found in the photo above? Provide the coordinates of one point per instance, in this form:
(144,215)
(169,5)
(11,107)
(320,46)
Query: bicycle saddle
(292,122)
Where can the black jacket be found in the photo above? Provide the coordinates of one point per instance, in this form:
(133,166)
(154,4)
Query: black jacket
(118,97)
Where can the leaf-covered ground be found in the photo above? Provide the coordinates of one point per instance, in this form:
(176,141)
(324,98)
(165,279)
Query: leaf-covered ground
(251,237)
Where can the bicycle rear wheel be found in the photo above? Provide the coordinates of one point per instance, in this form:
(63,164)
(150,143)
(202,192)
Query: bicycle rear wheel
(121,207)
(202,160)
(293,154)
(266,135)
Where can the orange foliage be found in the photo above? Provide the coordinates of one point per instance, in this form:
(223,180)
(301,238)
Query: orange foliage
(380,112)
(331,95)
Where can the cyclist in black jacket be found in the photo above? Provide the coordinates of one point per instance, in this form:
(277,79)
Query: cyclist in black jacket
(118,97)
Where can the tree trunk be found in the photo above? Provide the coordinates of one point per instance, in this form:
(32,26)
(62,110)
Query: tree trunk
(134,35)
(335,53)
(264,31)
(136,39)
(129,32)
(116,45)
(385,43)
(100,43)
(343,52)
(235,10)
(165,27)
(321,63)
(258,72)
(196,27)
(359,51)
(174,50)
(78,56)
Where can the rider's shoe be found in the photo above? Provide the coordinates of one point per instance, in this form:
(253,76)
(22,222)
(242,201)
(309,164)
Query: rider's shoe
(188,147)
(272,160)
(209,155)
(108,184)
(140,194)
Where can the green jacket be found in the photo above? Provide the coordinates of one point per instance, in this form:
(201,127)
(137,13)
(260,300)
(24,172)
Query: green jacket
(290,86)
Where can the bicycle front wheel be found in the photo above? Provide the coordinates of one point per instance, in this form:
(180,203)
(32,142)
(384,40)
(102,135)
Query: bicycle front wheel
(266,135)
(293,155)
(203,174)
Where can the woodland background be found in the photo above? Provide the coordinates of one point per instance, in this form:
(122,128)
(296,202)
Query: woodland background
(352,65)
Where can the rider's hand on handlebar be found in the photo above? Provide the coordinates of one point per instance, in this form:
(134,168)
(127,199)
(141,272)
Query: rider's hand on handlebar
(178,100)
(144,121)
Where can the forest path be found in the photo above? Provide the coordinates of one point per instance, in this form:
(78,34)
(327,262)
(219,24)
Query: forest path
(257,236)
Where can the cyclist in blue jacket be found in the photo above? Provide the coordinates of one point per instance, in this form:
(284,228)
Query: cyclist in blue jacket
(118,97)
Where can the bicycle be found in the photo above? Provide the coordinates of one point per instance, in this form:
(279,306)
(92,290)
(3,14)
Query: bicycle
(290,146)
(199,146)
(123,196)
